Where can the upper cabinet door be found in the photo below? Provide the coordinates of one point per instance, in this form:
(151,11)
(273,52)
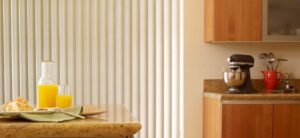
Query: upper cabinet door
(281,20)
(233,20)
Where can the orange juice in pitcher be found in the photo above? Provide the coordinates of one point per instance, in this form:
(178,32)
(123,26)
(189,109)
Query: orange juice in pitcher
(47,89)
(47,95)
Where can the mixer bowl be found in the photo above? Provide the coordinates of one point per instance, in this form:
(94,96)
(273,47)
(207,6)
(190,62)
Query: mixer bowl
(234,79)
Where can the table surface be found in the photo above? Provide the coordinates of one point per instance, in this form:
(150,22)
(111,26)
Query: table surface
(117,122)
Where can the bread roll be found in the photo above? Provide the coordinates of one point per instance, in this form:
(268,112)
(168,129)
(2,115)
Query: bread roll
(20,104)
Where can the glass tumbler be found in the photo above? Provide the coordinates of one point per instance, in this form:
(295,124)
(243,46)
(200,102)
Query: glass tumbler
(64,97)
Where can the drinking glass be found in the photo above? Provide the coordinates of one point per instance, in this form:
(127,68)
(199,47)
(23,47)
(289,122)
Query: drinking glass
(64,97)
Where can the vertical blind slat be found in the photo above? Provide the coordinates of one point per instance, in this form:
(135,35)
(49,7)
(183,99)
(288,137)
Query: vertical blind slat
(86,51)
(159,69)
(79,53)
(135,59)
(179,60)
(1,55)
(63,42)
(7,50)
(142,63)
(71,47)
(95,50)
(122,32)
(15,49)
(103,52)
(23,49)
(46,27)
(127,54)
(111,52)
(55,38)
(38,38)
(119,51)
(175,71)
(151,68)
(181,68)
(167,70)
(31,50)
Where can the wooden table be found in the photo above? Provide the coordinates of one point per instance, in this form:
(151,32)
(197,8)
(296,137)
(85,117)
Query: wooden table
(117,122)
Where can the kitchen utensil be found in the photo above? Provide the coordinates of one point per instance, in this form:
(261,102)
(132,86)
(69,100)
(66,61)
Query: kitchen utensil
(271,59)
(271,55)
(240,69)
(264,56)
(71,114)
(278,61)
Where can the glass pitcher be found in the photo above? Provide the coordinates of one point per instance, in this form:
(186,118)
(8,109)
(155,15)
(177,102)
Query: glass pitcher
(47,88)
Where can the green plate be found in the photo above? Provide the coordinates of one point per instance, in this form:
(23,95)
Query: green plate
(29,112)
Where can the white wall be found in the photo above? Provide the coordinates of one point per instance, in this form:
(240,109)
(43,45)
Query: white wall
(205,61)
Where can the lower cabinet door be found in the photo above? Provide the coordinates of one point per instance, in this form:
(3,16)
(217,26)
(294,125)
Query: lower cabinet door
(287,121)
(247,121)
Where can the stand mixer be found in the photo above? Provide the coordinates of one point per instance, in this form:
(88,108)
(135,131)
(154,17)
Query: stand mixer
(237,78)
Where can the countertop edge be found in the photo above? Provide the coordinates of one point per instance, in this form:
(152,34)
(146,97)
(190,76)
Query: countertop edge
(63,130)
(258,96)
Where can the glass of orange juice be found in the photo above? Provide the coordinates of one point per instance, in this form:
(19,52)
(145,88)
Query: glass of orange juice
(64,97)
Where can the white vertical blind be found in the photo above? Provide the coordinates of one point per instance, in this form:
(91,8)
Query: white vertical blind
(127,52)
(1,56)
(7,50)
(31,48)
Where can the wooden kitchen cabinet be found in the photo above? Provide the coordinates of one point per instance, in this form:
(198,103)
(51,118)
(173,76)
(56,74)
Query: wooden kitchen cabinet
(286,120)
(248,119)
(237,120)
(233,20)
(281,21)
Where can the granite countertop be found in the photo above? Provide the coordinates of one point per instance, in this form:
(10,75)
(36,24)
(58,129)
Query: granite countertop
(216,89)
(116,123)
(256,96)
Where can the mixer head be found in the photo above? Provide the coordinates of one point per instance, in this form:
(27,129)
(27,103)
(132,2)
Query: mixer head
(240,61)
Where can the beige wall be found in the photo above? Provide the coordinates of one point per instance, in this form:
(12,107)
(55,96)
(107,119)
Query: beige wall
(203,61)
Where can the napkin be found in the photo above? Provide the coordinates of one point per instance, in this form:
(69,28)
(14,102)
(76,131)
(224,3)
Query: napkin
(53,117)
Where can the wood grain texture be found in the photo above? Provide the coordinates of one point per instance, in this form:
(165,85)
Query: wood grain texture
(247,121)
(286,120)
(238,20)
(212,118)
(208,20)
(233,20)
